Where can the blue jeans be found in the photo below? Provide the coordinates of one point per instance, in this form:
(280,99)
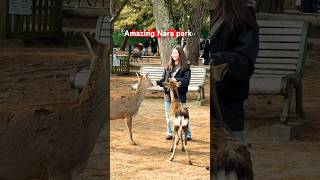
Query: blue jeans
(167,105)
(239,135)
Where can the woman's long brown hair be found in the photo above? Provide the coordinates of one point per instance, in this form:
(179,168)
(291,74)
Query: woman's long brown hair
(236,13)
(182,59)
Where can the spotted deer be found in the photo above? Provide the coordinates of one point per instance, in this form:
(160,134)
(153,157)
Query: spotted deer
(179,117)
(229,158)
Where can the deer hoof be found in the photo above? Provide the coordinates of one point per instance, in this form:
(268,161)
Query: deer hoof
(183,149)
(171,150)
(133,143)
(190,163)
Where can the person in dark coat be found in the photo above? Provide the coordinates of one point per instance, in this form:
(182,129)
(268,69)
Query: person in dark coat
(154,45)
(178,69)
(205,54)
(235,42)
(145,46)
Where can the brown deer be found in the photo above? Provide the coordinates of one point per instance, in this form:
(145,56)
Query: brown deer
(55,141)
(229,158)
(179,117)
(126,107)
(137,54)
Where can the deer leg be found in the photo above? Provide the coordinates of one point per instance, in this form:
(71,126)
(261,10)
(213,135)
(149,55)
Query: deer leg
(129,125)
(173,138)
(176,139)
(185,129)
(174,132)
(183,137)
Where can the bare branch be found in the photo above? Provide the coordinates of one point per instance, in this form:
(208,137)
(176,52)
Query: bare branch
(116,15)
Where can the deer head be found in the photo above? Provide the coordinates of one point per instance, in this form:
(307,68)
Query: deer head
(172,85)
(219,71)
(144,82)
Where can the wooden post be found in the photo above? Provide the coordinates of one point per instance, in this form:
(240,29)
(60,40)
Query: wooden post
(3,18)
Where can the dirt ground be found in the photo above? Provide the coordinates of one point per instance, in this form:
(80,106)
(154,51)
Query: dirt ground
(39,76)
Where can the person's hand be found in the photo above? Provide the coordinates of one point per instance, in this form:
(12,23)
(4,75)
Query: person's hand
(154,83)
(173,79)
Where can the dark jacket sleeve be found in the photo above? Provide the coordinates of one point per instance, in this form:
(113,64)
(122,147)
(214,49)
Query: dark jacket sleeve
(163,78)
(242,59)
(185,77)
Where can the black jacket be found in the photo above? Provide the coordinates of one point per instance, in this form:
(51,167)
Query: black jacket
(205,53)
(183,75)
(238,48)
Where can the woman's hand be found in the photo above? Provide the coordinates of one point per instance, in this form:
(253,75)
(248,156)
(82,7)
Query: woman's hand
(154,83)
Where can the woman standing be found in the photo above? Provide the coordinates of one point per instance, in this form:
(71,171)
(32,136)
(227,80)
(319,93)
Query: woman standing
(177,70)
(234,41)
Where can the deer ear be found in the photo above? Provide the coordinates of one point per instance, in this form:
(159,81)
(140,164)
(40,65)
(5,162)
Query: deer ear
(138,75)
(165,84)
(147,75)
(91,43)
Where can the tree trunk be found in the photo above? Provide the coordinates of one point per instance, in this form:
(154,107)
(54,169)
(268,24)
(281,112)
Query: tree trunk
(126,38)
(195,24)
(163,22)
(184,21)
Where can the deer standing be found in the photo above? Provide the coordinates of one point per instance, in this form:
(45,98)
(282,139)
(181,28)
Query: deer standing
(126,107)
(229,158)
(55,141)
(179,117)
(137,54)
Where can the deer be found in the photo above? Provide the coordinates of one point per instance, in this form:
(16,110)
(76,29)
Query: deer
(179,117)
(128,106)
(54,141)
(230,159)
(137,54)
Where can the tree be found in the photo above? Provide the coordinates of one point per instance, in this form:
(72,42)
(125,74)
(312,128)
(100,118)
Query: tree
(134,15)
(116,8)
(163,22)
(194,25)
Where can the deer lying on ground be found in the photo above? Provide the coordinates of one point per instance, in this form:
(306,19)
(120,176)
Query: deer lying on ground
(229,158)
(179,117)
(126,107)
(55,141)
